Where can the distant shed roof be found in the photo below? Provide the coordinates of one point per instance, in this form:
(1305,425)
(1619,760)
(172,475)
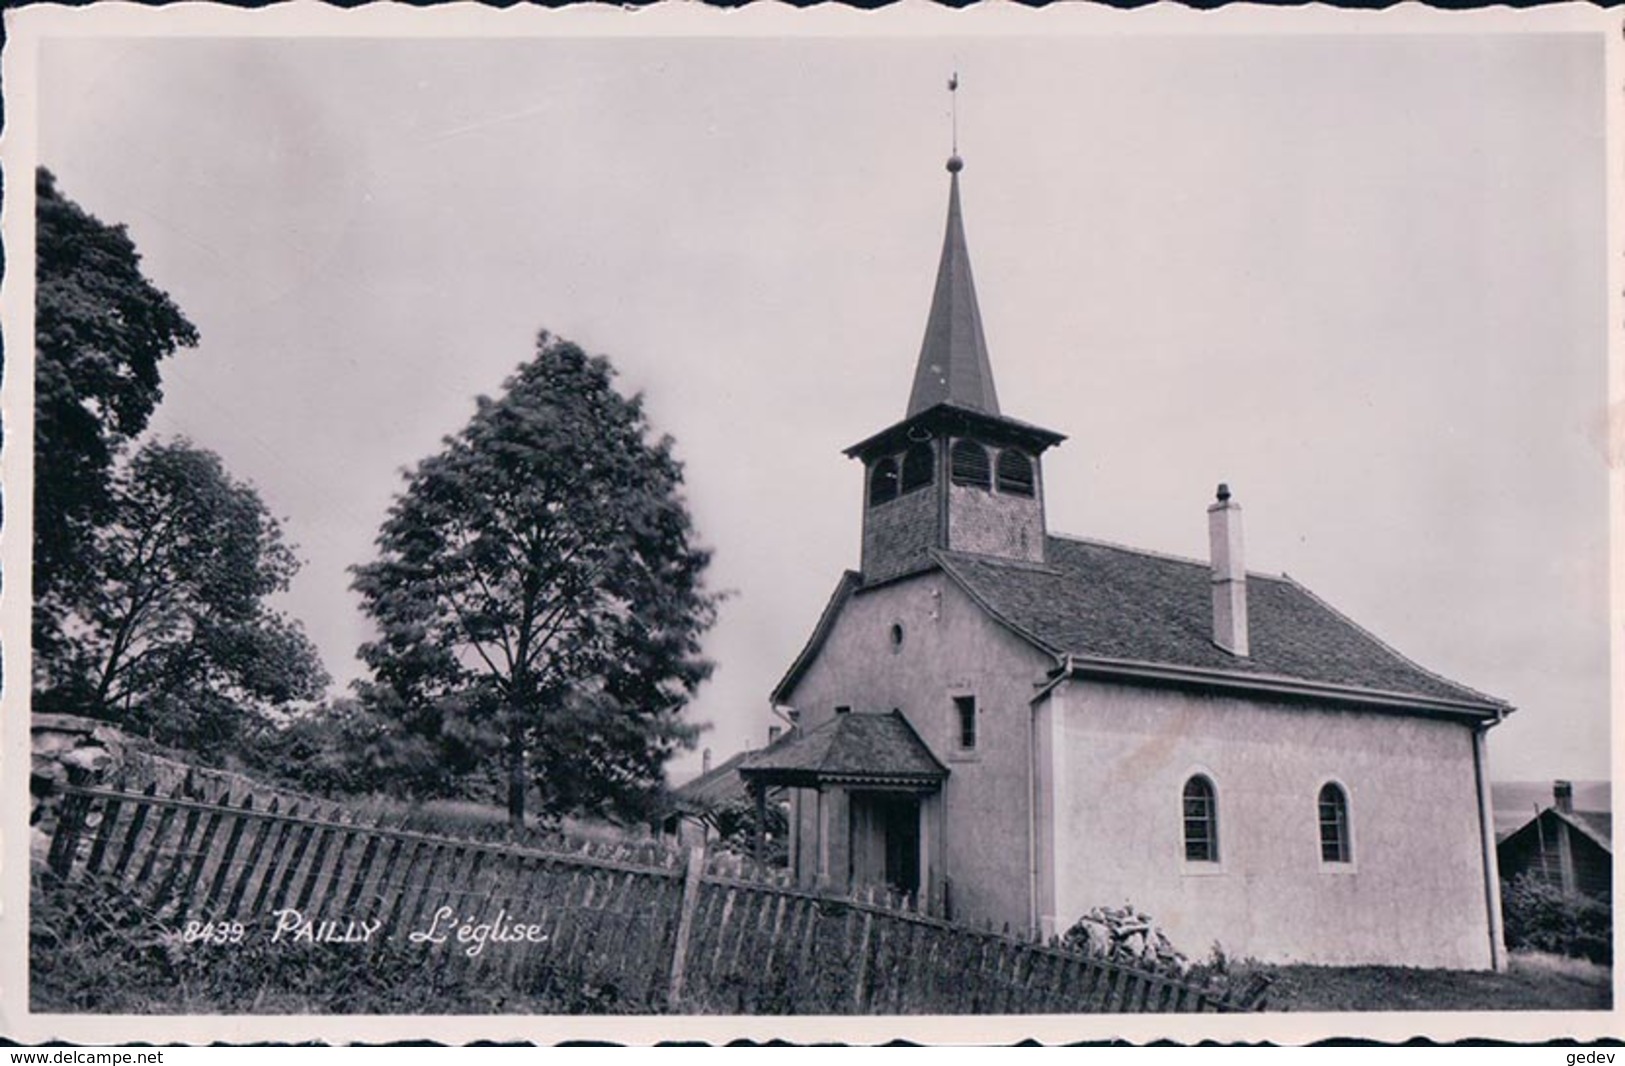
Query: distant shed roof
(719,787)
(1598,825)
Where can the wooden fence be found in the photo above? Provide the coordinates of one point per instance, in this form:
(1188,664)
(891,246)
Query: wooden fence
(647,928)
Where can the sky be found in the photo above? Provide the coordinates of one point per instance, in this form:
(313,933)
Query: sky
(1361,277)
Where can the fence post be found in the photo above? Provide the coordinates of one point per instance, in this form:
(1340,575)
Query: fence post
(685,922)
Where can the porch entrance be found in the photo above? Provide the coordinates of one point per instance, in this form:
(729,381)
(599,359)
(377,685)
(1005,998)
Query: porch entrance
(885,840)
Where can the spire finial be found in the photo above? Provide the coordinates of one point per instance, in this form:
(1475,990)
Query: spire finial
(955,164)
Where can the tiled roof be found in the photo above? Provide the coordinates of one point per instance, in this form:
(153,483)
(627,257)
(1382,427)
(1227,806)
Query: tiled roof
(849,746)
(1097,600)
(721,786)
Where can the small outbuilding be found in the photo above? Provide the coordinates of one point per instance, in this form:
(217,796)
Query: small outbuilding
(1569,849)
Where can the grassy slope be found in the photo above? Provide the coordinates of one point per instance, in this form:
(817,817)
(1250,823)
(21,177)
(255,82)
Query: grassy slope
(1533,983)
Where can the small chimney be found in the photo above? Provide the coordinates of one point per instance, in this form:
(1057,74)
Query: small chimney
(705,761)
(1563,796)
(1229,574)
(773,732)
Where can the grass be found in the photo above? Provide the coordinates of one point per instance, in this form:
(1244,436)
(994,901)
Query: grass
(92,949)
(1532,982)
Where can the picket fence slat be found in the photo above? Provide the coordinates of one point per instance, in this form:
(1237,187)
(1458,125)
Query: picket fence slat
(104,833)
(205,852)
(155,845)
(176,859)
(223,868)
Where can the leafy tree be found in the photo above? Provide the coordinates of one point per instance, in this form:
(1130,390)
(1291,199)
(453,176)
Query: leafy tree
(179,643)
(538,592)
(101,329)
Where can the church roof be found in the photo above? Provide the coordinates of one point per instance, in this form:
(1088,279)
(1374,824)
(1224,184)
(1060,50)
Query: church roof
(1107,607)
(875,749)
(945,419)
(953,367)
(1108,610)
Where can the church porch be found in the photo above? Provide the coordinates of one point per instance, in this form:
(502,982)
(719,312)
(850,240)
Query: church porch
(865,805)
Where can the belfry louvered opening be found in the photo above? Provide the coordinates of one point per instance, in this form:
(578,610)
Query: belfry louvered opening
(970,465)
(1015,473)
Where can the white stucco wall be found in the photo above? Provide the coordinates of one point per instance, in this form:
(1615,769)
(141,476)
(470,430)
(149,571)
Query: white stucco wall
(949,647)
(1117,758)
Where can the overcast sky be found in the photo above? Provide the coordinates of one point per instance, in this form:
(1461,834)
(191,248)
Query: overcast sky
(1359,277)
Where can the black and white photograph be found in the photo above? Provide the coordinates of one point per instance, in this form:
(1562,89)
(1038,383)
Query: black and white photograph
(684,522)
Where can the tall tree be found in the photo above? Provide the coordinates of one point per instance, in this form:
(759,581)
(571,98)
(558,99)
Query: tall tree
(179,642)
(101,329)
(538,590)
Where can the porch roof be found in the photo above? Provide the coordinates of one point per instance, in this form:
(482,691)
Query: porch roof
(878,750)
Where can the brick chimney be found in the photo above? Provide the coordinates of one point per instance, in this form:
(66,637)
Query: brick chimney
(1229,574)
(705,761)
(1563,796)
(773,734)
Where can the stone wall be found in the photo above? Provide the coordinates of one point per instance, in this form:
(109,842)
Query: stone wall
(66,745)
(988,522)
(899,534)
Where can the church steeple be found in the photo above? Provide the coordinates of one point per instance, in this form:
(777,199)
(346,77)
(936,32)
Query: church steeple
(953,367)
(956,474)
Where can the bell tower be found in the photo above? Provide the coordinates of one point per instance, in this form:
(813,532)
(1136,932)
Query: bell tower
(955,474)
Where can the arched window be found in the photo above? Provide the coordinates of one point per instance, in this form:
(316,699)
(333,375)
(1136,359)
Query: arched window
(917,466)
(1201,821)
(1015,473)
(883,482)
(970,465)
(1335,845)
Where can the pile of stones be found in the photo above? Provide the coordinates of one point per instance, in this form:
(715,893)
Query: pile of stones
(1123,934)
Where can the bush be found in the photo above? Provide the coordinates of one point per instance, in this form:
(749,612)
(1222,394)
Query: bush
(1540,916)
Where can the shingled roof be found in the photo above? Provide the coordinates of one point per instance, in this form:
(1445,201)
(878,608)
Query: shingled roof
(718,787)
(1102,602)
(876,749)
(1107,609)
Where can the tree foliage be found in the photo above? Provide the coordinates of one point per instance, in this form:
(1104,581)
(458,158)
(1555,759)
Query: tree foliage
(538,593)
(179,643)
(101,329)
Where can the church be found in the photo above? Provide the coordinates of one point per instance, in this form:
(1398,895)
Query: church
(1017,726)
